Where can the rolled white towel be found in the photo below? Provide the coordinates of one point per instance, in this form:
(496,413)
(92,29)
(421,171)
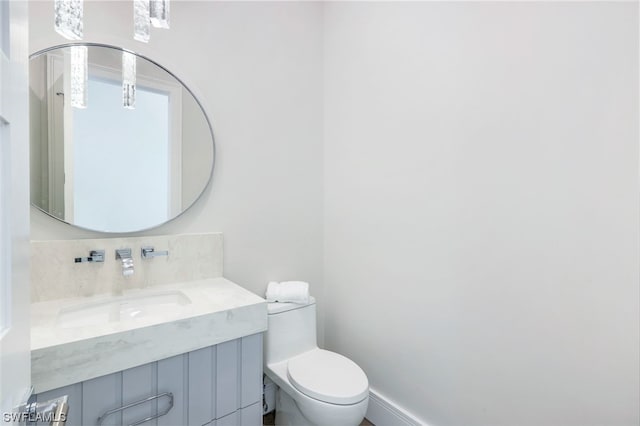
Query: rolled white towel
(288,291)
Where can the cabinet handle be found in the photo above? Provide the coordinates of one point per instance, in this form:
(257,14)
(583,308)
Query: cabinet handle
(142,401)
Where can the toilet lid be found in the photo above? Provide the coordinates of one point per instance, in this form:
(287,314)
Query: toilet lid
(328,376)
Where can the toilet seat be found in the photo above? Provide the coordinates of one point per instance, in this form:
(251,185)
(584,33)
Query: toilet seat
(328,376)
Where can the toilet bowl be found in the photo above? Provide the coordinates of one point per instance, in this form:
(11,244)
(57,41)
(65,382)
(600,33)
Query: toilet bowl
(316,387)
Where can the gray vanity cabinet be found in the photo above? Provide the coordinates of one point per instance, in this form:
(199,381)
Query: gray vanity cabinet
(219,385)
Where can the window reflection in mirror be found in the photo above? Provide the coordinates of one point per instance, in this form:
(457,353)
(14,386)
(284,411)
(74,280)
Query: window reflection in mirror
(145,190)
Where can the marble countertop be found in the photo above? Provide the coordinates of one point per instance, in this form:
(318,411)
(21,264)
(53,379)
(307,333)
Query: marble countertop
(219,310)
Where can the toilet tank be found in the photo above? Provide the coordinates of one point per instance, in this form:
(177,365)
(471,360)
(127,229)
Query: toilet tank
(291,330)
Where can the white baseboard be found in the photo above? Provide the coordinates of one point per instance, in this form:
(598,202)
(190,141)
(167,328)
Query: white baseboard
(383,412)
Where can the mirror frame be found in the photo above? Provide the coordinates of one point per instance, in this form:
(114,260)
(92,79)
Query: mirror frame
(179,80)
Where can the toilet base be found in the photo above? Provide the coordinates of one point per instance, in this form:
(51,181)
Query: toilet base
(287,412)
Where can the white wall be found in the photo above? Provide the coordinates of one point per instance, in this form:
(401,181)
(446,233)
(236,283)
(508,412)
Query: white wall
(481,184)
(257,69)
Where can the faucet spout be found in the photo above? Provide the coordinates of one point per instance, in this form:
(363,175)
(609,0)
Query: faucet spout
(124,255)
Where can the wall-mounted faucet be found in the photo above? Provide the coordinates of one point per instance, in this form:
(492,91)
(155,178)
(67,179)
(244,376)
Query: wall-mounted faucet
(149,252)
(124,255)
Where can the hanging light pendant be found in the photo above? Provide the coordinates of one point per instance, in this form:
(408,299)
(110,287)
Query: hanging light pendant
(141,20)
(159,13)
(79,76)
(128,80)
(68,18)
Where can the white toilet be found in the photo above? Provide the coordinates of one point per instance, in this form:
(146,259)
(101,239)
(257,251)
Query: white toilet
(317,387)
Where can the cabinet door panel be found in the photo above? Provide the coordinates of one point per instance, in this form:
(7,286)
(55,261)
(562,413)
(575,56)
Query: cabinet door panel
(201,386)
(232,419)
(228,378)
(251,415)
(139,383)
(100,395)
(173,377)
(251,380)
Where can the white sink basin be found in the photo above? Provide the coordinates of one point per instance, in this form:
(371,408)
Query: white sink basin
(121,309)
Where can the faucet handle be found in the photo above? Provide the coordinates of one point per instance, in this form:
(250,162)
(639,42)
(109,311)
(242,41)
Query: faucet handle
(94,256)
(149,252)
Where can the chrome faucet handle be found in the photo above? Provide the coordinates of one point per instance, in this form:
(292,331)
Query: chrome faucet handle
(149,252)
(94,256)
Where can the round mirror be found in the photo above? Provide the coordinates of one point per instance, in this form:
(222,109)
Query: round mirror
(118,143)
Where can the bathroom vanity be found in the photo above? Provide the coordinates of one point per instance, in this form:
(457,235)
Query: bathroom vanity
(201,343)
(149,341)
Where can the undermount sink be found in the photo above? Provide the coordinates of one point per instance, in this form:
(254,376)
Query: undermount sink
(121,309)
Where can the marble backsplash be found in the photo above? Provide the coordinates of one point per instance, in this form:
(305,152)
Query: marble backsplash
(55,275)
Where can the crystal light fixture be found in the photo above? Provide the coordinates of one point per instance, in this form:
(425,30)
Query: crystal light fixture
(79,76)
(68,18)
(128,80)
(159,13)
(141,20)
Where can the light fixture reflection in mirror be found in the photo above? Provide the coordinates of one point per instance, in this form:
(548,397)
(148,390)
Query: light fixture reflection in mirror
(108,168)
(128,80)
(79,76)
